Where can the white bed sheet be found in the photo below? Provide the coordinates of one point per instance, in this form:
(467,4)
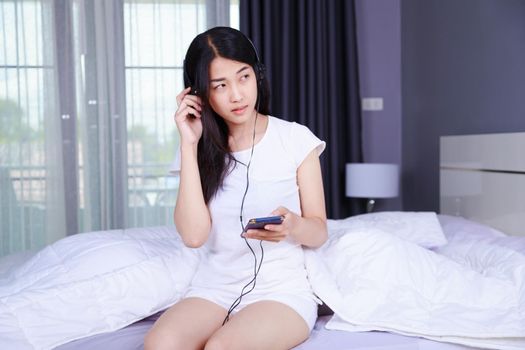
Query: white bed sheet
(131,338)
(322,338)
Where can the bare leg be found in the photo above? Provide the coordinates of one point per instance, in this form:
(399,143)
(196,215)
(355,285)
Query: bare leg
(261,325)
(186,325)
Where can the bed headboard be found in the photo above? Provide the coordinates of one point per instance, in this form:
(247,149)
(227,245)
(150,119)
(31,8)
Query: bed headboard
(482,178)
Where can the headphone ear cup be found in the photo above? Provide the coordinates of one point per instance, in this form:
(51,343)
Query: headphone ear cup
(260,73)
(186,77)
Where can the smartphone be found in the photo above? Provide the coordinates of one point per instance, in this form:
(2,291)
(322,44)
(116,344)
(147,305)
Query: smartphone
(259,223)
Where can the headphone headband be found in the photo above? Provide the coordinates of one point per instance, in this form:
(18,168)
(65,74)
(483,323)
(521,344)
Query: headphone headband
(253,47)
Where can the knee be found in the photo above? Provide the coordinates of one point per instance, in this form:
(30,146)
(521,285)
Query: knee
(218,343)
(153,341)
(156,340)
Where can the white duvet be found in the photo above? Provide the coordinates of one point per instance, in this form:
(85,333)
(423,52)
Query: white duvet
(92,283)
(390,271)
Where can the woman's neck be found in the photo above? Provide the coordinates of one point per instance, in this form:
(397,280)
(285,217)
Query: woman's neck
(241,136)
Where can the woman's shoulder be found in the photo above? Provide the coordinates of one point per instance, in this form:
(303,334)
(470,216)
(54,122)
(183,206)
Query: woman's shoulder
(289,129)
(281,122)
(285,126)
(296,139)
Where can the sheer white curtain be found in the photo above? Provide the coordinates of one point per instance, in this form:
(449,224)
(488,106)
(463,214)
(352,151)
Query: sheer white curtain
(155,46)
(31,177)
(154,50)
(86,107)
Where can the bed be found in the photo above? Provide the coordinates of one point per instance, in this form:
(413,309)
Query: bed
(394,280)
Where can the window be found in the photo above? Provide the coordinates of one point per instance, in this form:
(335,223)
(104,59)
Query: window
(87,97)
(154,52)
(28,175)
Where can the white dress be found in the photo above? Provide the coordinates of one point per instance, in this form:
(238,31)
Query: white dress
(272,183)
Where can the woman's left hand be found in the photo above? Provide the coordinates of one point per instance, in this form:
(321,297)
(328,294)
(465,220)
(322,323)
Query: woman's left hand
(276,233)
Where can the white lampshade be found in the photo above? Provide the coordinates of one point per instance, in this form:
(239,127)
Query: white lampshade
(372,180)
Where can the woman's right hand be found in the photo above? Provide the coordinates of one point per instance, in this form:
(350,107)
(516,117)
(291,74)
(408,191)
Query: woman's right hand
(188,117)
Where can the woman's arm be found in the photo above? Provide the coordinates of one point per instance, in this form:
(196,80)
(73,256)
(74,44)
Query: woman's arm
(192,217)
(310,228)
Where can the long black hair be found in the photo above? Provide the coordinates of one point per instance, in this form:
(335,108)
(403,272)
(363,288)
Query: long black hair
(213,151)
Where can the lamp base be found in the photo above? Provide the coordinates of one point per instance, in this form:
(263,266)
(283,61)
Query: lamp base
(370,205)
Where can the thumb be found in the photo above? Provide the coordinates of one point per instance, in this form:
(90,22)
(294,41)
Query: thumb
(280,211)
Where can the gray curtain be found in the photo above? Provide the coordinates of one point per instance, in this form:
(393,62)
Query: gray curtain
(309,48)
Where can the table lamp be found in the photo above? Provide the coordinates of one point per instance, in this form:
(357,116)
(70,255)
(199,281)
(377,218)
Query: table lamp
(372,181)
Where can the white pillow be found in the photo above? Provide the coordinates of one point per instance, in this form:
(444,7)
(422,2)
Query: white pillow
(10,262)
(421,228)
(92,283)
(458,228)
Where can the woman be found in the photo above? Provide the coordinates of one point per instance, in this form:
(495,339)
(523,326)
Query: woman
(236,162)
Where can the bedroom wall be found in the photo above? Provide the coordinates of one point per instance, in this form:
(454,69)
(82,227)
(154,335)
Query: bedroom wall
(463,72)
(379,52)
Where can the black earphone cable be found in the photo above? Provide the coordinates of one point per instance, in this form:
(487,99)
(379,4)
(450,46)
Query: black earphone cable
(257,266)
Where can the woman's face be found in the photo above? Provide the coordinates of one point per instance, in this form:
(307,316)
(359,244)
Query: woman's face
(233,90)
